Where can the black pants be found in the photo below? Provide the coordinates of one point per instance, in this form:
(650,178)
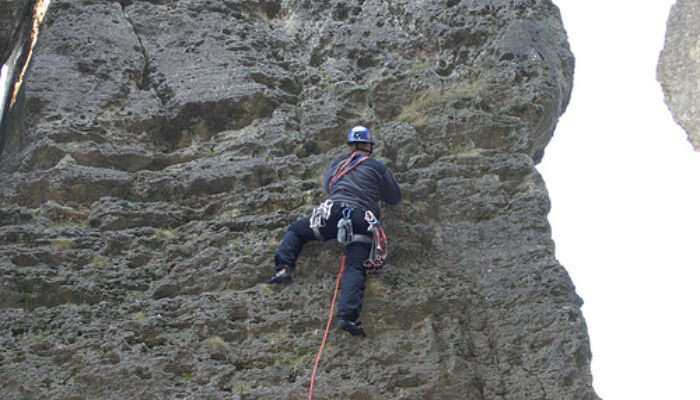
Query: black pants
(353,285)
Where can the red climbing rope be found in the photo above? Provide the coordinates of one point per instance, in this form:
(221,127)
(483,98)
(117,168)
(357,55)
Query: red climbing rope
(328,325)
(353,161)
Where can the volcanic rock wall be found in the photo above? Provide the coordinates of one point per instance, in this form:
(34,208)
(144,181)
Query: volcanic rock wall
(159,150)
(678,70)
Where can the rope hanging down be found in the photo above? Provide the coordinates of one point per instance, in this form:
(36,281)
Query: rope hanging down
(328,326)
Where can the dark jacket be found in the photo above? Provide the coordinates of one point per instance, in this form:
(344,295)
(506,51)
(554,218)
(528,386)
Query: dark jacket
(364,186)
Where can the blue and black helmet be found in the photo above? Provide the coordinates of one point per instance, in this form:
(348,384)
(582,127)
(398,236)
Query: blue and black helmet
(360,134)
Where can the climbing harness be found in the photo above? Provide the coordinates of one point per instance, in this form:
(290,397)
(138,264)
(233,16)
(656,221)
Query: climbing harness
(328,326)
(377,238)
(377,256)
(346,235)
(355,159)
(319,217)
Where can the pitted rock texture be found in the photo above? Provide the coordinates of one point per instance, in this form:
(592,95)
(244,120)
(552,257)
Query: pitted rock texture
(159,150)
(679,67)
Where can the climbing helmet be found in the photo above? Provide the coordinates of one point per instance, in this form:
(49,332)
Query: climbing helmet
(360,134)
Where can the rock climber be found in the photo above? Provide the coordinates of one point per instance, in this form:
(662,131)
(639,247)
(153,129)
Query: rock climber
(355,183)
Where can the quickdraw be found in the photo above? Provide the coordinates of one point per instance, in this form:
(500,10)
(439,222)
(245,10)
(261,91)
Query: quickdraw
(379,252)
(319,217)
(353,161)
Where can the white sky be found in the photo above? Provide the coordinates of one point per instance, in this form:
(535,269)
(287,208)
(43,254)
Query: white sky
(623,181)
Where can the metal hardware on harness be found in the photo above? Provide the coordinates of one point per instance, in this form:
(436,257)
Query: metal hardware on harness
(371,220)
(319,217)
(377,256)
(346,235)
(345,228)
(361,238)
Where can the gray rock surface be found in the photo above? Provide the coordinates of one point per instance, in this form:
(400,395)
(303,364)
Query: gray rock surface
(679,67)
(160,149)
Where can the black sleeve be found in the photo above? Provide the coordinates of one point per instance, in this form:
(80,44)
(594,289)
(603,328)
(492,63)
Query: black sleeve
(391,191)
(326,179)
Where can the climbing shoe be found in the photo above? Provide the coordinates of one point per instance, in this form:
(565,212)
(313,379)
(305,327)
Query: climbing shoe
(283,275)
(352,327)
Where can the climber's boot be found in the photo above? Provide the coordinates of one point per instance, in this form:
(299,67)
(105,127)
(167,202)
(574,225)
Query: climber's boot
(352,327)
(283,275)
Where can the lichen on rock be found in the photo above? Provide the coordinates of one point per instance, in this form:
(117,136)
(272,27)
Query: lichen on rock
(159,150)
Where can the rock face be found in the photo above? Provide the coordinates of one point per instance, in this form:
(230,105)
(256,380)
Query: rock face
(159,150)
(679,67)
